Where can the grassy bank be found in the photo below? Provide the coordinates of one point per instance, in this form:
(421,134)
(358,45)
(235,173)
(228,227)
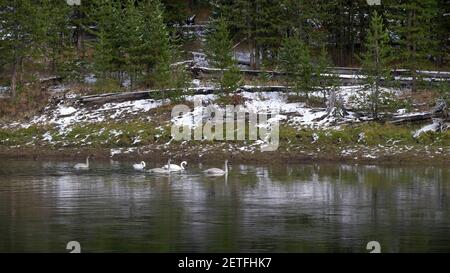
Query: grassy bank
(136,139)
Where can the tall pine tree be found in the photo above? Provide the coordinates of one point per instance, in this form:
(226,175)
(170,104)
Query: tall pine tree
(22,29)
(375,63)
(218,49)
(295,62)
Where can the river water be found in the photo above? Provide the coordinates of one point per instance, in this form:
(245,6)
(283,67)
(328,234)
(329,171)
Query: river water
(280,208)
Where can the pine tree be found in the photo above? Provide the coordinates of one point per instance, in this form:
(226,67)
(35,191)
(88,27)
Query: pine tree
(375,63)
(304,18)
(413,22)
(218,49)
(325,79)
(133,40)
(134,27)
(175,11)
(56,40)
(258,22)
(180,78)
(22,30)
(345,23)
(156,50)
(441,33)
(107,14)
(295,62)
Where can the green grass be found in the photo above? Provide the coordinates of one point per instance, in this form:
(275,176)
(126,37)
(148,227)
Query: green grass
(371,134)
(124,134)
(20,136)
(93,135)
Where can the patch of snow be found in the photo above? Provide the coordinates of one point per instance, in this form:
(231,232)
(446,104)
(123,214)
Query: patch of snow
(66,111)
(315,138)
(4,91)
(90,79)
(200,59)
(196,83)
(115,133)
(115,152)
(361,137)
(47,137)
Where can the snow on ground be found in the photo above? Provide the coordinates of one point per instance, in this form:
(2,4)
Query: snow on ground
(64,115)
(295,113)
(200,59)
(67,114)
(4,91)
(90,79)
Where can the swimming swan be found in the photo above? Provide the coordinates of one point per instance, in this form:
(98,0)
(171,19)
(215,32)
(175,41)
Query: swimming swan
(216,171)
(176,168)
(82,166)
(161,170)
(139,167)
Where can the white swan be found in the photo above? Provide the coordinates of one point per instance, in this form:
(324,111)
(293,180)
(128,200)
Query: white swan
(82,166)
(176,168)
(161,170)
(139,167)
(216,171)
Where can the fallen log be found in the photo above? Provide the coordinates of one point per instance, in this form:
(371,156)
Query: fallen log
(439,111)
(275,88)
(164,93)
(347,76)
(139,95)
(438,125)
(418,117)
(51,81)
(187,63)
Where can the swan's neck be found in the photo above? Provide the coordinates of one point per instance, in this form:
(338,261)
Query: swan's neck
(143,164)
(87,161)
(226,167)
(183,164)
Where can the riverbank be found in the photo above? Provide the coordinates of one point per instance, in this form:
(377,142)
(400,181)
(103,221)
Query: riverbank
(435,157)
(141,129)
(217,152)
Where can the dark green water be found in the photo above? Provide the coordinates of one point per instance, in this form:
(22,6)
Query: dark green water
(297,208)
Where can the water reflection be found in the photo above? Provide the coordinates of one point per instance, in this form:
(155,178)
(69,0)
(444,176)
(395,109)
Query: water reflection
(301,208)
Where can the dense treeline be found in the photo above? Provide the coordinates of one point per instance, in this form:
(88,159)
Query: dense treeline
(134,41)
(340,24)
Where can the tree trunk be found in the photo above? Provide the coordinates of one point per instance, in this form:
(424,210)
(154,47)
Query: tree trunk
(253,55)
(413,60)
(80,41)
(21,72)
(14,76)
